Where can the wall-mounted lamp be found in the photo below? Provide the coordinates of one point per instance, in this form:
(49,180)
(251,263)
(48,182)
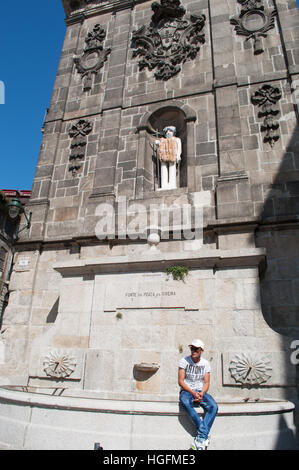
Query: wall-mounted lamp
(14,209)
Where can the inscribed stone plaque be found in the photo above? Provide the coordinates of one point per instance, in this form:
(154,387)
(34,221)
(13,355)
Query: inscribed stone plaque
(141,294)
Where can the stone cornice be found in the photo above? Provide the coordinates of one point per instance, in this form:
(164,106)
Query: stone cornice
(156,260)
(74,9)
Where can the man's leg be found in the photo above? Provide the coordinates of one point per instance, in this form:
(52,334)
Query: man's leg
(187,399)
(210,407)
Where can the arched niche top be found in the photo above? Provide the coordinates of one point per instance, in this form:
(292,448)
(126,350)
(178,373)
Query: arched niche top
(171,113)
(175,112)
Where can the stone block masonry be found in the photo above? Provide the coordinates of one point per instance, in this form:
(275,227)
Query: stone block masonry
(218,84)
(234,102)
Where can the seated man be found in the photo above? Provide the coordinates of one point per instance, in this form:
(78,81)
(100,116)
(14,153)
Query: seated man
(194,380)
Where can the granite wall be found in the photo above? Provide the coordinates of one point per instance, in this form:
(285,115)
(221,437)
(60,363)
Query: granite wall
(241,155)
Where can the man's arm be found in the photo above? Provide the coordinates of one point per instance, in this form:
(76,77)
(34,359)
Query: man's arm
(206,385)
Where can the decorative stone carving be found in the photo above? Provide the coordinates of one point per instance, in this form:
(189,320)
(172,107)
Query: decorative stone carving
(266,98)
(93,57)
(58,364)
(253,22)
(153,239)
(169,40)
(250,368)
(78,133)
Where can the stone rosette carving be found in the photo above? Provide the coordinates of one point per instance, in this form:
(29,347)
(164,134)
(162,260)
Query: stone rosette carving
(93,57)
(169,40)
(266,98)
(59,364)
(254,23)
(78,133)
(250,368)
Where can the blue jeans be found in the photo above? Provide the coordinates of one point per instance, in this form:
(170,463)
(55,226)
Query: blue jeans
(210,407)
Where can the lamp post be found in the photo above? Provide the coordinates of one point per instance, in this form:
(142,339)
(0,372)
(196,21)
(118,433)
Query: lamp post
(14,209)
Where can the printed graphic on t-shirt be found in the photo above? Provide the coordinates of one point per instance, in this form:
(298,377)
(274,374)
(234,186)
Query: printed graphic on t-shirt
(194,374)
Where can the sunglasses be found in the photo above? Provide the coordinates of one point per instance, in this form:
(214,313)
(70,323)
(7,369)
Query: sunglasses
(193,348)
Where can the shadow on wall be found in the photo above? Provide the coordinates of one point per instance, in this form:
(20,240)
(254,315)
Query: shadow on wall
(52,315)
(286,439)
(186,422)
(278,233)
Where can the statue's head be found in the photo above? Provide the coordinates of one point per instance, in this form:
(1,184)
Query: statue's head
(169,131)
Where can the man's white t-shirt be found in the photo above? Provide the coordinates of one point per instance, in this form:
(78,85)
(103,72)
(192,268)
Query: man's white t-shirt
(195,372)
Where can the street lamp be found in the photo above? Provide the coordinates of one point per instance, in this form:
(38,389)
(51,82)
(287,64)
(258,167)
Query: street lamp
(14,209)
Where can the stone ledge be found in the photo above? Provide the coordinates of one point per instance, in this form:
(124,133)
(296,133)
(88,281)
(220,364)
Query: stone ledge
(240,224)
(162,408)
(153,259)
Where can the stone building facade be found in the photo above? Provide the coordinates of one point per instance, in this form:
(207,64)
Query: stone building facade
(5,254)
(226,75)
(9,229)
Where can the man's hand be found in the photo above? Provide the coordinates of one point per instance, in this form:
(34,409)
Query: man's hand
(198,396)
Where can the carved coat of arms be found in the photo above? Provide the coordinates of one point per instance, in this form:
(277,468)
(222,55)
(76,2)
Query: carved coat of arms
(169,40)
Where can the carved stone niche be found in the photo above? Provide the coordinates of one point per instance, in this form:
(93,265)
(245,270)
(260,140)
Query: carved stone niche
(152,124)
(254,23)
(169,40)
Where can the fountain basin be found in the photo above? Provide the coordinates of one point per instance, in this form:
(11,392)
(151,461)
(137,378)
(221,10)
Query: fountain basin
(47,419)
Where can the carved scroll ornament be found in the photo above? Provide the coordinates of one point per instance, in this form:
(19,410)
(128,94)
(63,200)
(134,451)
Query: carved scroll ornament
(78,133)
(266,98)
(169,40)
(253,22)
(93,57)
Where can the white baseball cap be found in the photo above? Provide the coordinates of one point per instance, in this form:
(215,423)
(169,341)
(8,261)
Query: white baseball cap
(197,343)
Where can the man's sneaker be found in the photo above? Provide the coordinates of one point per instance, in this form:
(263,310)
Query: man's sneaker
(199,444)
(207,442)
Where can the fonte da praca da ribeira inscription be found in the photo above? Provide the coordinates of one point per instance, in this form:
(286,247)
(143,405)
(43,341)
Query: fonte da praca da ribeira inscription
(154,295)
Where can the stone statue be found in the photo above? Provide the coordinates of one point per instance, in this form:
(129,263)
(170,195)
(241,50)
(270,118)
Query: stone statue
(169,150)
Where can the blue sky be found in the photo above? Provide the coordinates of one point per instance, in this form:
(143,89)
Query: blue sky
(31,38)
